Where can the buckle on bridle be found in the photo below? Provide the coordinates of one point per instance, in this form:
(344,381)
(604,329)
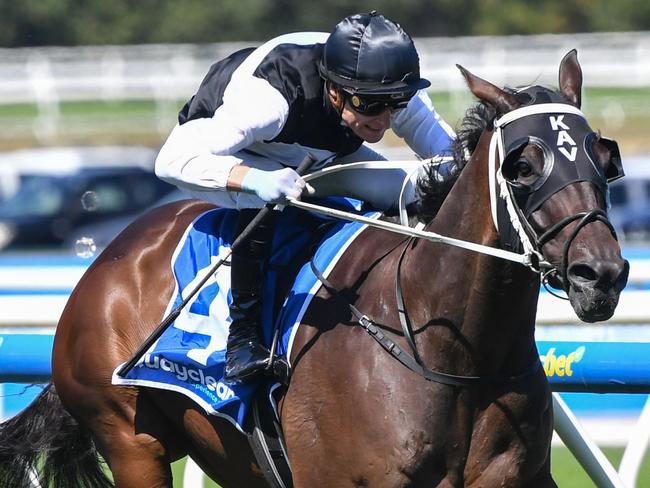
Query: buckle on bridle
(534,260)
(546,282)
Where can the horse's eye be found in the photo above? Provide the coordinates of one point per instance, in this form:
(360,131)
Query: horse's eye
(523,168)
(518,171)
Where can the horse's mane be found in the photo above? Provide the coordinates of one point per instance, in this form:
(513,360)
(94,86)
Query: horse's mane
(431,192)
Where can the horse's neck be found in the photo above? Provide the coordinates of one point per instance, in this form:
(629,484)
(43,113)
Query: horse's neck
(466,213)
(483,297)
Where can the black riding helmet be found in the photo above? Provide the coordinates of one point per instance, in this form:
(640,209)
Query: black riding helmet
(371,55)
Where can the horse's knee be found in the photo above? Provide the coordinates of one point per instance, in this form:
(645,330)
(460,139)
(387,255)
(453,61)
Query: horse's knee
(136,469)
(136,460)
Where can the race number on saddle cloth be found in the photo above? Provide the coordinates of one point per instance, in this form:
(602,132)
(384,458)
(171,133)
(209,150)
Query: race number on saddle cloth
(189,356)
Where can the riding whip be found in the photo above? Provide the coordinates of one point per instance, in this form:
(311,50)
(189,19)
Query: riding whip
(302,168)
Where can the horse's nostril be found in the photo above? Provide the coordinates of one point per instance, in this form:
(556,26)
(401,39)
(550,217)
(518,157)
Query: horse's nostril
(583,272)
(600,273)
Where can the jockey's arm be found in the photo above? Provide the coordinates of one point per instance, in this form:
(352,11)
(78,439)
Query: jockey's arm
(422,128)
(204,154)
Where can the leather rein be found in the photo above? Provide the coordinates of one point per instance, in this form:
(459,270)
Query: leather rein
(412,360)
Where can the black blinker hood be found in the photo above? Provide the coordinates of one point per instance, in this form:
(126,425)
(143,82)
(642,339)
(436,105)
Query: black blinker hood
(566,140)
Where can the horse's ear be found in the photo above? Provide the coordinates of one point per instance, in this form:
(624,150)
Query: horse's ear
(571,78)
(500,100)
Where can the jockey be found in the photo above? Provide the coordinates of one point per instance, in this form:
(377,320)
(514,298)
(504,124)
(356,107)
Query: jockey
(259,112)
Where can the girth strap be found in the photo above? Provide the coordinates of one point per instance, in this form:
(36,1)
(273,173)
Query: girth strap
(267,443)
(409,361)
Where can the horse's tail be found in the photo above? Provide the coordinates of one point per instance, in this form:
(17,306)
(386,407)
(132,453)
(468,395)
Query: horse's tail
(45,443)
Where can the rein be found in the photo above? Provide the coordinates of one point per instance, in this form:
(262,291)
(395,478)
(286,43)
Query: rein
(413,361)
(531,261)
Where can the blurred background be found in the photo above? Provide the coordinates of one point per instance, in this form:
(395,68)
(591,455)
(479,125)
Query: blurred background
(90,90)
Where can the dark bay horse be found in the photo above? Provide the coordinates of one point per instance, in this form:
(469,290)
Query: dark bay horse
(353,415)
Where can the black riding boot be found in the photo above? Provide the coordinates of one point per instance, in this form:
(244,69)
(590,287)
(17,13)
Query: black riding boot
(246,357)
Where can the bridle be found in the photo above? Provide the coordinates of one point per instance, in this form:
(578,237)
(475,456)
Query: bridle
(584,218)
(502,192)
(531,242)
(528,246)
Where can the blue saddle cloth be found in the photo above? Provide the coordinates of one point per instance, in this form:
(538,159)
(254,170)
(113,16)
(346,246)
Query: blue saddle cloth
(189,356)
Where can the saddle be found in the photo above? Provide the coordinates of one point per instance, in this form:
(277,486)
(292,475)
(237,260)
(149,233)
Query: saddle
(188,356)
(263,429)
(284,276)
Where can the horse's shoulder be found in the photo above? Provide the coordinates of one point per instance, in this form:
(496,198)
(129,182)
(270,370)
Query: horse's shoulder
(372,247)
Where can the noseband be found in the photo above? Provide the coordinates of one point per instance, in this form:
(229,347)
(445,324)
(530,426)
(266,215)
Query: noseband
(584,219)
(518,210)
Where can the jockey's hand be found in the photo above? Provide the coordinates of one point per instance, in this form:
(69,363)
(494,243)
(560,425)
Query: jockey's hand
(275,186)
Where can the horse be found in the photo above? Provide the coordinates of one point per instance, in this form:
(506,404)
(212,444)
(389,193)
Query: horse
(476,413)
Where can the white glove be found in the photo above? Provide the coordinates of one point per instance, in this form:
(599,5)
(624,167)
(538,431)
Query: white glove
(275,186)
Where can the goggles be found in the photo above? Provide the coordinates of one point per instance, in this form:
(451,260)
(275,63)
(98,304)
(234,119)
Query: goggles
(375,104)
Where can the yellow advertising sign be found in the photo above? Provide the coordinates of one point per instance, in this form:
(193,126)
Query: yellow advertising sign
(561,364)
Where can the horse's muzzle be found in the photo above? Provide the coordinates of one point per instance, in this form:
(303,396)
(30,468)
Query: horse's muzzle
(595,286)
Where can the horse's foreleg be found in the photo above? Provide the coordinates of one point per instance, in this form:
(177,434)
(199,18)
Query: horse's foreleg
(511,442)
(504,474)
